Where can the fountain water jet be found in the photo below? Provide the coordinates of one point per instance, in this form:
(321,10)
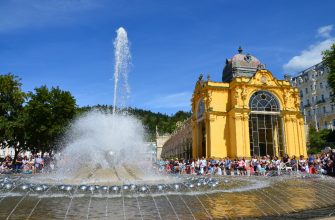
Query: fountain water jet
(122,61)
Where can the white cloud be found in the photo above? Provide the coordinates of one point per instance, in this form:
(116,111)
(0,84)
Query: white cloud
(325,31)
(176,100)
(313,54)
(16,14)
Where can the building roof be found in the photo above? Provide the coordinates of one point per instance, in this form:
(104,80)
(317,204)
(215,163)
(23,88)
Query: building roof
(317,67)
(240,65)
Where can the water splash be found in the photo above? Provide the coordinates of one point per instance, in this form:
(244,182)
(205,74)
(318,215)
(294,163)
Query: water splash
(104,146)
(99,140)
(121,68)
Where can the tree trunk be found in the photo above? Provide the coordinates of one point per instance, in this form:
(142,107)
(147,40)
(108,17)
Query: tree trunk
(16,153)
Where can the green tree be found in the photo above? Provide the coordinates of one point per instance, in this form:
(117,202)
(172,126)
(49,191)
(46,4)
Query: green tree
(329,60)
(48,114)
(12,116)
(318,139)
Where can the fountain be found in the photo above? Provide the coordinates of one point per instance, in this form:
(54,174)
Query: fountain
(122,61)
(103,143)
(103,174)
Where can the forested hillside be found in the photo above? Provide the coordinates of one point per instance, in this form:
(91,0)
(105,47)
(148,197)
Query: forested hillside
(164,123)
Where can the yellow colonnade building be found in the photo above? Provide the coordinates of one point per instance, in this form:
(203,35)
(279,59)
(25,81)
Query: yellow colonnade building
(250,113)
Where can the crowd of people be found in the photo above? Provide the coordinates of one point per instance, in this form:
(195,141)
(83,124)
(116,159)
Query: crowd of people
(34,164)
(265,166)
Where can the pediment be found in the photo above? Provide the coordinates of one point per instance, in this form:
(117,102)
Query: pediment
(265,78)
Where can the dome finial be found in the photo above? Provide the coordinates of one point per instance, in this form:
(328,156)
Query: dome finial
(200,77)
(240,50)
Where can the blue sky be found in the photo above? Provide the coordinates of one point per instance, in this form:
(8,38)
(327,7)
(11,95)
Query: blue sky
(69,43)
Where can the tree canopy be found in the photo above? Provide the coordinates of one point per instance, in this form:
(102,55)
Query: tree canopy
(329,60)
(35,120)
(318,140)
(12,126)
(49,112)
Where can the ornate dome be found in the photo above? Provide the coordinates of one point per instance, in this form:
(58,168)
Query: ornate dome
(240,65)
(245,60)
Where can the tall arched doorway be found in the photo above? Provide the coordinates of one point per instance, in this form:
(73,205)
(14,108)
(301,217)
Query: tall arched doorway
(265,125)
(201,130)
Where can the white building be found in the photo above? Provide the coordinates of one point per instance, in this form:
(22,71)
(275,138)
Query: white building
(315,97)
(160,141)
(179,144)
(10,151)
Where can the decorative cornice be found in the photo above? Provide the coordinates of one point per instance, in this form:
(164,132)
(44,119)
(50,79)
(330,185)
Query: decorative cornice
(239,110)
(217,113)
(289,112)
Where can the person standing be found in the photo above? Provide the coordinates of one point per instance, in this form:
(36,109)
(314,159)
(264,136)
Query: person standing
(254,164)
(192,167)
(203,164)
(18,163)
(227,166)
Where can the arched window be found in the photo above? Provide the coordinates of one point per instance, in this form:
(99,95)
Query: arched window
(201,109)
(265,125)
(264,101)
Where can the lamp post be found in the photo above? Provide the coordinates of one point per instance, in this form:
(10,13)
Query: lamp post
(304,116)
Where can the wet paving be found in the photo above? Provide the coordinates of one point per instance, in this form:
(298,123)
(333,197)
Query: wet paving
(289,197)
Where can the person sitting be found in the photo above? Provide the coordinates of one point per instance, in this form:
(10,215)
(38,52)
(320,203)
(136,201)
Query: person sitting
(39,163)
(8,162)
(176,166)
(301,164)
(210,166)
(26,166)
(294,163)
(312,169)
(168,168)
(188,167)
(218,170)
(286,160)
(6,165)
(197,166)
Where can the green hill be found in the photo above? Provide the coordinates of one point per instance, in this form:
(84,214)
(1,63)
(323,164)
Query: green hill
(164,123)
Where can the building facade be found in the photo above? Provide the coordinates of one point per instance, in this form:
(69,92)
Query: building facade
(10,151)
(160,141)
(179,145)
(7,151)
(315,97)
(249,113)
